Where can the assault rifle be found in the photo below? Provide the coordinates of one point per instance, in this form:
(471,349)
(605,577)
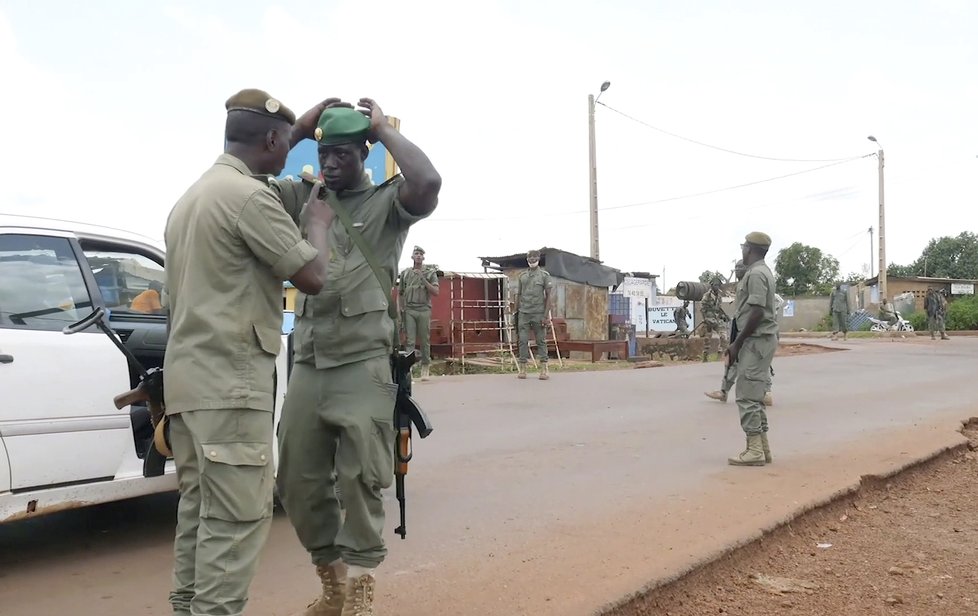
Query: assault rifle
(406,412)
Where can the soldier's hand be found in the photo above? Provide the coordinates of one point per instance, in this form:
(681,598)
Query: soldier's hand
(377,118)
(305,126)
(316,210)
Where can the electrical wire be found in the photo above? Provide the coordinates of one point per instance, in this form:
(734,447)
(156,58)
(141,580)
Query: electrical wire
(715,147)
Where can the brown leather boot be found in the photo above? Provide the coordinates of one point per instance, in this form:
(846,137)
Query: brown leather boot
(359,596)
(330,603)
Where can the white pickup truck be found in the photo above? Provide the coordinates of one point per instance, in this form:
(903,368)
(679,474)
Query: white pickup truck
(63,444)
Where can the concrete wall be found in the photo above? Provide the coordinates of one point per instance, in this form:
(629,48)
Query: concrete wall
(808,311)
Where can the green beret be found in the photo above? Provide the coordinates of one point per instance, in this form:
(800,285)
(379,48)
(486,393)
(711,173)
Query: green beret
(758,239)
(418,249)
(338,125)
(260,102)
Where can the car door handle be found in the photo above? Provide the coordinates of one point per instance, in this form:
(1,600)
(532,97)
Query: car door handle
(6,359)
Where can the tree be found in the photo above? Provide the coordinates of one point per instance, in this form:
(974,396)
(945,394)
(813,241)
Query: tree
(944,257)
(707,276)
(805,270)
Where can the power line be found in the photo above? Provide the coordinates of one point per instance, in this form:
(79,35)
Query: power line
(716,147)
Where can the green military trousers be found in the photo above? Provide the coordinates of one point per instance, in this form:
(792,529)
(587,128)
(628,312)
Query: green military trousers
(417,325)
(527,322)
(338,419)
(754,380)
(840,321)
(225,474)
(936,323)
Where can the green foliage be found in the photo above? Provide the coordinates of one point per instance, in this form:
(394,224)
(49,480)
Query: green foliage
(944,257)
(803,270)
(919,321)
(707,276)
(962,314)
(825,325)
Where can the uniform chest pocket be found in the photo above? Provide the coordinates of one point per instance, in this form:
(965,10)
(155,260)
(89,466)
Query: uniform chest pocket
(362,302)
(268,339)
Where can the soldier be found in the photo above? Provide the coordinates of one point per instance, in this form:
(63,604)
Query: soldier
(757,337)
(339,410)
(839,306)
(730,372)
(416,287)
(936,307)
(714,317)
(679,315)
(888,313)
(229,246)
(534,299)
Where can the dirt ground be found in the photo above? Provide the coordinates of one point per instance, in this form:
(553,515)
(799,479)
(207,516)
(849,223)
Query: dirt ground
(907,545)
(791,349)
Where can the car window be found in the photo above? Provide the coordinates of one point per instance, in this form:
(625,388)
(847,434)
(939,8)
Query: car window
(41,283)
(129,282)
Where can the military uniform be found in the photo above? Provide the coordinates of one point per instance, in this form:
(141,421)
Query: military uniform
(756,289)
(839,303)
(936,308)
(679,315)
(417,309)
(533,285)
(714,318)
(229,246)
(337,422)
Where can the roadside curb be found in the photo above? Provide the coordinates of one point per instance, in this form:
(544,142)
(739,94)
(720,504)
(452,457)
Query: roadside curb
(865,482)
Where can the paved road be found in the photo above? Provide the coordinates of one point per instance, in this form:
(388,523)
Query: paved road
(552,497)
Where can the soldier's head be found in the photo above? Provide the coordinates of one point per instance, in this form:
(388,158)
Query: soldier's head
(740,269)
(533,258)
(716,282)
(417,255)
(685,303)
(258,130)
(342,137)
(755,247)
(838,286)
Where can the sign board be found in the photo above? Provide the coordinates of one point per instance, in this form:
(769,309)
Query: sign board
(788,310)
(660,314)
(636,287)
(962,288)
(379,165)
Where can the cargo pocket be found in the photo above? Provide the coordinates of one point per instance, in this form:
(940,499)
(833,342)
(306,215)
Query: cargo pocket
(378,468)
(269,339)
(236,481)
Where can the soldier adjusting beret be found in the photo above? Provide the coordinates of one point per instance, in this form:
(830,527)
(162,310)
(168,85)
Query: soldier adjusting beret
(260,102)
(758,239)
(338,125)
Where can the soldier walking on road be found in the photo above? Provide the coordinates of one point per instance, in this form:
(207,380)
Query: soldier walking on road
(754,348)
(534,300)
(714,317)
(730,372)
(416,288)
(337,425)
(839,305)
(229,247)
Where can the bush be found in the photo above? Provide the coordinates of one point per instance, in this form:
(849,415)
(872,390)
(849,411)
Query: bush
(919,321)
(825,325)
(963,313)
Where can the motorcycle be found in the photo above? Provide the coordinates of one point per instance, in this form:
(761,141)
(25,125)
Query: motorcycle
(901,325)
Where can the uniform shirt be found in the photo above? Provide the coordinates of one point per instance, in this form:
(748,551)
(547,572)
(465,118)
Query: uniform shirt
(840,301)
(229,246)
(756,288)
(413,290)
(147,302)
(348,321)
(531,286)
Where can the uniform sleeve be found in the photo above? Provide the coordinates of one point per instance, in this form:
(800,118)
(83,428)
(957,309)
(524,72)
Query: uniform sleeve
(399,217)
(293,196)
(400,282)
(433,278)
(757,290)
(272,235)
(548,282)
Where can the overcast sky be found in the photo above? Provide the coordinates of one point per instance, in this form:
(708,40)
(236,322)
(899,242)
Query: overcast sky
(115,108)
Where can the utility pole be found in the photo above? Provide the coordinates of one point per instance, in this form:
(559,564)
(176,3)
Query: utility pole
(592,155)
(882,226)
(872,253)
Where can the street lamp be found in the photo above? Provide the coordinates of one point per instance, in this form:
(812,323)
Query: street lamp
(591,100)
(882,235)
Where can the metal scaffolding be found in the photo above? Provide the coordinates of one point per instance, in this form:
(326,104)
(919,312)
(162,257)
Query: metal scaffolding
(477,316)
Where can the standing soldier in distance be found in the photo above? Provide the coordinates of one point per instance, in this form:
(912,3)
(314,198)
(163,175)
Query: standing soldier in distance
(229,246)
(754,348)
(415,289)
(679,315)
(839,304)
(714,317)
(534,301)
(339,409)
(936,309)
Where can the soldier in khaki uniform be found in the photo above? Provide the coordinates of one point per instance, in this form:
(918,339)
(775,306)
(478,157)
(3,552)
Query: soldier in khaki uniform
(339,409)
(534,295)
(754,348)
(416,288)
(229,246)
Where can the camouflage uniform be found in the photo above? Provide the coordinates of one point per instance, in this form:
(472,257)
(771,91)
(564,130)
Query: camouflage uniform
(714,318)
